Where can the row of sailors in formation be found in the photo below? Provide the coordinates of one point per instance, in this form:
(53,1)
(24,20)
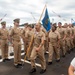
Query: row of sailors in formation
(58,39)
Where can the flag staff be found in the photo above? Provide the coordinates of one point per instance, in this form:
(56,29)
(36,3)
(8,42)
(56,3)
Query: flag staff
(52,20)
(33,16)
(59,15)
(3,17)
(42,12)
(72,20)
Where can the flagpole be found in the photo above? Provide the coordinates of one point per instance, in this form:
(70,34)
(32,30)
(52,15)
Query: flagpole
(33,16)
(52,20)
(28,49)
(71,20)
(59,16)
(42,12)
(3,17)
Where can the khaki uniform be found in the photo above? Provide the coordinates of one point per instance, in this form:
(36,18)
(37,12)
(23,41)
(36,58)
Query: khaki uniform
(62,33)
(54,36)
(28,36)
(4,42)
(16,36)
(46,40)
(23,37)
(74,36)
(37,40)
(68,39)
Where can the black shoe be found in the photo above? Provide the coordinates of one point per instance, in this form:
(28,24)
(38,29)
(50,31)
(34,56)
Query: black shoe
(20,65)
(72,49)
(29,60)
(69,52)
(3,60)
(63,56)
(33,70)
(46,53)
(58,60)
(24,53)
(49,63)
(17,66)
(42,71)
(11,54)
(7,59)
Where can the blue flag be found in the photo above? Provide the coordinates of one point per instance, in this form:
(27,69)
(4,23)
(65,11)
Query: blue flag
(72,21)
(46,21)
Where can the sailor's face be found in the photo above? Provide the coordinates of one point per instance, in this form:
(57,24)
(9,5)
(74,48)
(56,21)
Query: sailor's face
(16,23)
(29,28)
(4,25)
(70,25)
(59,25)
(37,26)
(53,28)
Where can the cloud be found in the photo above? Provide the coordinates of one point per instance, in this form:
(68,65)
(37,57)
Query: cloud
(22,9)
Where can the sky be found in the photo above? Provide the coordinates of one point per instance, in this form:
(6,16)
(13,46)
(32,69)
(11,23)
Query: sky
(30,10)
